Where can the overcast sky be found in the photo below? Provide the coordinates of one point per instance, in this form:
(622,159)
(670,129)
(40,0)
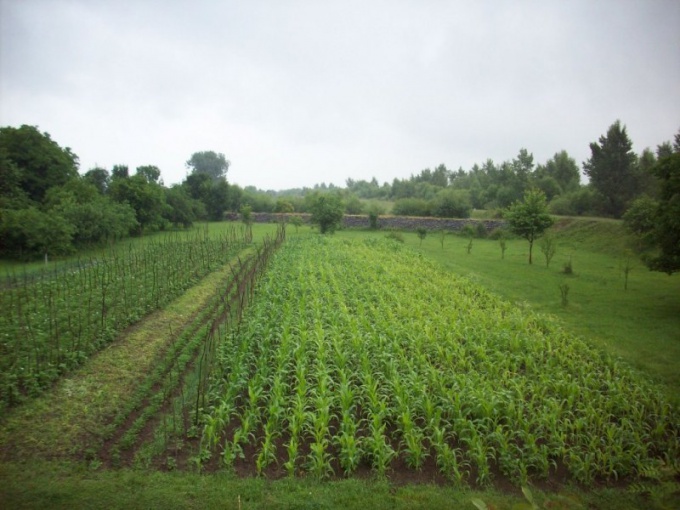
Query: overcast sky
(301,92)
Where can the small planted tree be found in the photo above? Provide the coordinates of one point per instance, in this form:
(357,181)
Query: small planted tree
(422,234)
(626,264)
(529,217)
(504,245)
(246,214)
(549,248)
(296,221)
(374,212)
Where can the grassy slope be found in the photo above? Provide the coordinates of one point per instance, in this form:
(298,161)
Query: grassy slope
(640,325)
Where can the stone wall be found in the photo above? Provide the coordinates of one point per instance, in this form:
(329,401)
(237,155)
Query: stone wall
(384,222)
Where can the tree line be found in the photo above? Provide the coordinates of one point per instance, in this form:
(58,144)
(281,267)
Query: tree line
(48,208)
(617,176)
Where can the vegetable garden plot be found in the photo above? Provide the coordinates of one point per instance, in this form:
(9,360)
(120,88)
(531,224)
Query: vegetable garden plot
(364,353)
(53,323)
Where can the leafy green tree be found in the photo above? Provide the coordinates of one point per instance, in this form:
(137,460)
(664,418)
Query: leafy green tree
(210,163)
(611,169)
(12,195)
(374,212)
(150,172)
(529,217)
(647,183)
(640,220)
(246,214)
(216,195)
(667,220)
(182,209)
(353,205)
(120,172)
(563,169)
(326,210)
(145,198)
(284,206)
(217,200)
(41,163)
(99,177)
(30,233)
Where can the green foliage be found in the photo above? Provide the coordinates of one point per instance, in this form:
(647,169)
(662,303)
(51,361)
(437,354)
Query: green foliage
(452,203)
(640,220)
(395,236)
(99,178)
(498,233)
(40,162)
(146,198)
(358,352)
(151,173)
(412,207)
(667,217)
(182,210)
(326,211)
(284,206)
(373,219)
(422,233)
(529,218)
(213,164)
(296,221)
(548,248)
(611,169)
(246,214)
(53,322)
(30,233)
(564,170)
(583,202)
(468,230)
(353,205)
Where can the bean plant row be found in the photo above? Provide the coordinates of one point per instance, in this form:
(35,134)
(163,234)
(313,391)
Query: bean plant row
(182,374)
(364,354)
(52,323)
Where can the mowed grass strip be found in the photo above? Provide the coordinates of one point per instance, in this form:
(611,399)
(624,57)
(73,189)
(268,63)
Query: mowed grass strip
(72,416)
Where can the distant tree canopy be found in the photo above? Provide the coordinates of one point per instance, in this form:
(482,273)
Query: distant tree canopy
(210,163)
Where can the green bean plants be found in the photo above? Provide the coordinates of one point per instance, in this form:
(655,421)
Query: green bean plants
(53,321)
